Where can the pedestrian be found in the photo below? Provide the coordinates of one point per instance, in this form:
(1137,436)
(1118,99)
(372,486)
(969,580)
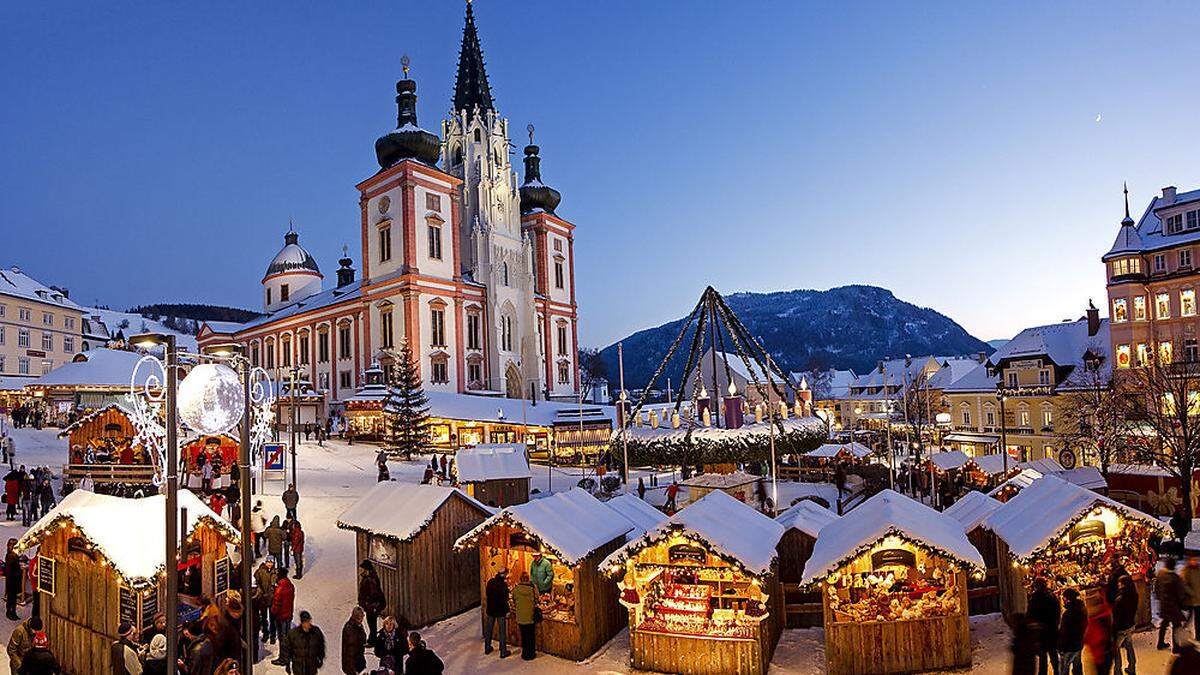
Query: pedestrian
(13,576)
(384,475)
(216,502)
(21,641)
(39,660)
(1043,612)
(1070,634)
(1024,646)
(302,651)
(391,644)
(443,465)
(541,571)
(1097,637)
(1168,587)
(307,431)
(123,652)
(524,598)
(157,627)
(283,605)
(1180,525)
(258,523)
(287,541)
(275,535)
(199,659)
(1191,590)
(222,628)
(297,546)
(496,612)
(264,595)
(641,488)
(354,643)
(206,474)
(156,656)
(1124,620)
(370,596)
(421,659)
(672,493)
(291,499)
(12,492)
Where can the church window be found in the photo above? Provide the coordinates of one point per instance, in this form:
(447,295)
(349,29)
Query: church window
(475,373)
(558,274)
(504,273)
(435,241)
(270,352)
(254,354)
(506,333)
(1162,306)
(1187,302)
(562,338)
(385,243)
(322,346)
(386,318)
(1139,308)
(439,371)
(564,373)
(473,337)
(284,292)
(457,156)
(478,136)
(558,245)
(1120,310)
(344,341)
(433,202)
(437,326)
(286,346)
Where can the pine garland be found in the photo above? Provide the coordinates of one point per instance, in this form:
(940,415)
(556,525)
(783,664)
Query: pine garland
(691,449)
(406,408)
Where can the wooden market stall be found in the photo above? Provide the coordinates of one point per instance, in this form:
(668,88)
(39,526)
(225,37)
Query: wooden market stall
(893,578)
(740,485)
(574,531)
(100,562)
(408,533)
(103,446)
(988,471)
(803,522)
(848,452)
(1070,537)
(702,590)
(496,475)
(221,451)
(970,511)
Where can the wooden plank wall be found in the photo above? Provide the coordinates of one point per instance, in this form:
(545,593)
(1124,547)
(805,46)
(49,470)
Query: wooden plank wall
(694,655)
(81,618)
(802,608)
(94,428)
(985,593)
(500,493)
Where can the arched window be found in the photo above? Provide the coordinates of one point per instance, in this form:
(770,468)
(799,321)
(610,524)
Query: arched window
(456,156)
(478,136)
(504,273)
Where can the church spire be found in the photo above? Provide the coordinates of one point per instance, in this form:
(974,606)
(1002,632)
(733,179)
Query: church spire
(471,88)
(1128,220)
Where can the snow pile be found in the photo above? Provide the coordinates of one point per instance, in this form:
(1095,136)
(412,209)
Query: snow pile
(572,524)
(888,513)
(948,461)
(727,527)
(491,462)
(640,515)
(972,509)
(807,516)
(129,533)
(400,510)
(721,481)
(1047,510)
(830,450)
(993,465)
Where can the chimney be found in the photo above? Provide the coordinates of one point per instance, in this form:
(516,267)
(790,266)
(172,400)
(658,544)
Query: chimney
(345,273)
(1168,195)
(1093,319)
(981,357)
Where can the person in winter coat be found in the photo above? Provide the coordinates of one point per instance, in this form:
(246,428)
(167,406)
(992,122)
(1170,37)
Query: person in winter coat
(39,660)
(1191,590)
(1097,637)
(1124,620)
(1024,646)
(391,644)
(274,535)
(12,491)
(524,598)
(1070,634)
(421,660)
(157,627)
(1043,611)
(1168,587)
(297,546)
(354,644)
(264,595)
(383,475)
(291,499)
(496,612)
(541,571)
(123,653)
(13,576)
(156,656)
(258,523)
(21,641)
(283,605)
(199,659)
(302,651)
(370,597)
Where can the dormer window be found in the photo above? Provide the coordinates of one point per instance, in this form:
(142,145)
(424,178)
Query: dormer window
(1126,266)
(1175,223)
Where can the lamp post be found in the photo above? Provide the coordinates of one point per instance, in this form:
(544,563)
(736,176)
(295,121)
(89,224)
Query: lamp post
(1000,394)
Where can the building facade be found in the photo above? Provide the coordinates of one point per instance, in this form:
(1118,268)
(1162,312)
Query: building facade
(40,326)
(474,269)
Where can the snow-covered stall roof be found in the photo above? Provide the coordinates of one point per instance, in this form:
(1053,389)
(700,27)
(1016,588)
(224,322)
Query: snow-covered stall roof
(1046,510)
(721,480)
(829,450)
(993,465)
(123,405)
(641,515)
(97,368)
(946,461)
(401,511)
(572,524)
(731,529)
(129,533)
(699,433)
(1019,482)
(1045,465)
(1084,476)
(888,513)
(806,516)
(972,509)
(14,382)
(502,461)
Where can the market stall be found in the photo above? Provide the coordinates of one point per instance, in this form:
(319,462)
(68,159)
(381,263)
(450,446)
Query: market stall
(103,446)
(220,450)
(803,522)
(702,590)
(1070,537)
(573,531)
(95,570)
(408,533)
(740,485)
(496,475)
(970,511)
(987,471)
(847,452)
(893,577)
(1149,488)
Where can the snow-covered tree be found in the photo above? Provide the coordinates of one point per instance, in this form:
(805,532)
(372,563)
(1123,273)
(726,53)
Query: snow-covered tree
(406,409)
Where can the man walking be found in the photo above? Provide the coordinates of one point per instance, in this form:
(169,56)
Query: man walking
(1044,611)
(1124,618)
(354,644)
(302,650)
(1191,591)
(496,612)
(291,499)
(13,577)
(1169,589)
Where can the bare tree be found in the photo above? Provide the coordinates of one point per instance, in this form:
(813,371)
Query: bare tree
(591,370)
(917,406)
(1092,418)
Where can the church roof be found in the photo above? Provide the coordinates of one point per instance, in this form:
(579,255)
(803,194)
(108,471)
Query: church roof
(471,88)
(292,257)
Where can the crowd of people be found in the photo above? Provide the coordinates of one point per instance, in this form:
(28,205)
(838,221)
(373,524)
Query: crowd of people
(27,415)
(29,493)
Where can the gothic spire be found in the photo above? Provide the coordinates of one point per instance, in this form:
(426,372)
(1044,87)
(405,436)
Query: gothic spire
(1128,220)
(471,88)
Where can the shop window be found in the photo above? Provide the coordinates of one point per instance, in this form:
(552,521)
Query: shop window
(1123,360)
(1139,308)
(1162,305)
(1120,312)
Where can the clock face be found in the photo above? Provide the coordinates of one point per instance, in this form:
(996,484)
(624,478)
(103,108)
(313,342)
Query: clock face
(385,203)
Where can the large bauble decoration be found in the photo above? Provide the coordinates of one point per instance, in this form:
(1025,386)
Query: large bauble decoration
(211,400)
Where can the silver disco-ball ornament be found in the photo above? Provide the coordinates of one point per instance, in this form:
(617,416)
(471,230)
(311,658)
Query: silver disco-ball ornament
(210,399)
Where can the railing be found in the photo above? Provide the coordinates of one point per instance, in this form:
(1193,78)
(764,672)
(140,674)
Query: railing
(109,473)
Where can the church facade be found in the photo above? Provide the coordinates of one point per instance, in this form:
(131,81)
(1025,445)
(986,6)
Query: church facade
(474,269)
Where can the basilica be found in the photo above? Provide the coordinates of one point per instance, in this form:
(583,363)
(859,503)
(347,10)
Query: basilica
(470,265)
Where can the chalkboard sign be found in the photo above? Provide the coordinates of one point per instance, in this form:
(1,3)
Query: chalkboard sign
(893,557)
(221,575)
(47,569)
(687,553)
(149,607)
(129,608)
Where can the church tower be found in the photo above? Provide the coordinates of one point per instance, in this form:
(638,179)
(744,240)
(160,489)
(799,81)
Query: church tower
(494,250)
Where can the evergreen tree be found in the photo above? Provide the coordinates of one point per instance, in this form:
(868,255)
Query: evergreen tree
(406,409)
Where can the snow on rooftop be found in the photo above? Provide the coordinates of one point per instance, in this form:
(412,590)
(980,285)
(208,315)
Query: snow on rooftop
(124,404)
(400,510)
(501,461)
(888,513)
(994,464)
(832,449)
(1022,480)
(107,523)
(641,515)
(572,524)
(972,509)
(699,433)
(1043,512)
(807,516)
(1084,476)
(17,284)
(730,528)
(1045,465)
(947,461)
(721,480)
(97,368)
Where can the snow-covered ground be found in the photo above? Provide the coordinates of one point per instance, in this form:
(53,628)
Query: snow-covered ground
(332,477)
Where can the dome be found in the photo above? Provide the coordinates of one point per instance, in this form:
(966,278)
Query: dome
(292,257)
(407,141)
(534,193)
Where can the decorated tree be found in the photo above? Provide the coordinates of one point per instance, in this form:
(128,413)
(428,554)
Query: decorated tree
(406,409)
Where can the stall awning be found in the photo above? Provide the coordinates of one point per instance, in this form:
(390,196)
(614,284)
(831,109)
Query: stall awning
(961,437)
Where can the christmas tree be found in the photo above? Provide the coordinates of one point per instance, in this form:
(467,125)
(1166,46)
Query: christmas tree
(406,410)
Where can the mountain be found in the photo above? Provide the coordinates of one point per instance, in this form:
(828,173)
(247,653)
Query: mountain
(845,327)
(196,312)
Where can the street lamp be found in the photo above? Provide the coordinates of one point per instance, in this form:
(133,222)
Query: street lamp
(1003,429)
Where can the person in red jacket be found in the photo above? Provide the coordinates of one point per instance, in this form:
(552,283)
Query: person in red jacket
(297,536)
(282,604)
(1098,636)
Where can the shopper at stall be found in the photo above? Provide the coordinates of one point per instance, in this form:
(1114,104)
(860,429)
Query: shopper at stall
(1070,634)
(156,656)
(1169,589)
(370,597)
(354,643)
(541,571)
(21,641)
(39,660)
(123,653)
(524,598)
(1124,620)
(1043,612)
(496,612)
(13,576)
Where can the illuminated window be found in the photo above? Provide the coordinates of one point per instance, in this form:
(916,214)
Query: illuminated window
(1162,305)
(1047,418)
(1126,266)
(1164,352)
(1022,418)
(1139,308)
(1120,310)
(1123,356)
(1187,302)
(1143,354)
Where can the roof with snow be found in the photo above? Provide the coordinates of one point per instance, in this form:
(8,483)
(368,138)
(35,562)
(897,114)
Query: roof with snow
(451,405)
(1043,465)
(888,513)
(571,524)
(104,521)
(948,461)
(994,464)
(326,298)
(503,461)
(721,480)
(896,372)
(731,529)
(953,369)
(972,509)
(1046,510)
(643,516)
(401,511)
(14,382)
(97,368)
(829,450)
(1149,234)
(1065,344)
(1019,482)
(648,434)
(123,405)
(806,516)
(17,284)
(107,323)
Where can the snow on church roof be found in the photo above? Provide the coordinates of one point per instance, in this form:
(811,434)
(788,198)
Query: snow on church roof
(136,553)
(400,510)
(972,509)
(1046,510)
(806,516)
(887,513)
(571,524)
(491,462)
(730,528)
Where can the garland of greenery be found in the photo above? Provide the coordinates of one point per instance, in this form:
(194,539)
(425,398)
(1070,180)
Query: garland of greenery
(718,446)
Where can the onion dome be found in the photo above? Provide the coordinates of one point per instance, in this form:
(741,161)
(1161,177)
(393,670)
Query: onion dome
(536,195)
(292,257)
(408,141)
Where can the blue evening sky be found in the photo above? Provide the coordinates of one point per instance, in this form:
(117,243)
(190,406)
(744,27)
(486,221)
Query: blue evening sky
(968,156)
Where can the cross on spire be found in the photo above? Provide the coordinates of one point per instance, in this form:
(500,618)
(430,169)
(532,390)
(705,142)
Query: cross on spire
(471,88)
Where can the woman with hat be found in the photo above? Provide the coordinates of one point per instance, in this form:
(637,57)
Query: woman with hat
(39,660)
(156,657)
